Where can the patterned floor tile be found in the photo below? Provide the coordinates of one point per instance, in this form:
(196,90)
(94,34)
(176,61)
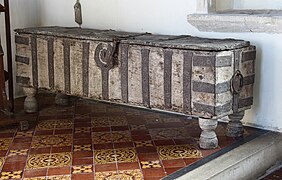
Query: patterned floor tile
(117,155)
(62,177)
(143,144)
(49,160)
(24,134)
(35,178)
(178,152)
(82,130)
(86,147)
(150,164)
(168,133)
(122,175)
(100,122)
(109,137)
(20,152)
(11,175)
(4,143)
(52,140)
(55,123)
(1,162)
(138,127)
(82,169)
(118,121)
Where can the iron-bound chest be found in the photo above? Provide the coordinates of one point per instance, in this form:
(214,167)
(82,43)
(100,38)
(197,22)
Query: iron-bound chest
(209,78)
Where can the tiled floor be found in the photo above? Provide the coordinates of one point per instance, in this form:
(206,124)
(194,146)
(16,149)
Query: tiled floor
(93,140)
(276,175)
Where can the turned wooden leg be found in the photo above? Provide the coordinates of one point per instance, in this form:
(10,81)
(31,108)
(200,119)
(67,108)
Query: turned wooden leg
(235,126)
(30,103)
(208,138)
(62,99)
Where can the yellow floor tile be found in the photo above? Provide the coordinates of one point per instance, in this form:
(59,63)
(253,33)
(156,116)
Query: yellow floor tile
(11,175)
(122,175)
(117,155)
(4,143)
(48,160)
(178,152)
(52,140)
(55,123)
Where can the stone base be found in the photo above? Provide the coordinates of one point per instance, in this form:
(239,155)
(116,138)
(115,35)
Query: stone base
(208,138)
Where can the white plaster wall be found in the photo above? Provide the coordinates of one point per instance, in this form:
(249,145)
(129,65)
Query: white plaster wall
(169,17)
(23,13)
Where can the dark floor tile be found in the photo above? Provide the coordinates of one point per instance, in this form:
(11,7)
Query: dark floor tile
(153,172)
(189,161)
(22,140)
(20,145)
(206,153)
(140,133)
(105,167)
(119,128)
(173,163)
(35,173)
(171,170)
(103,146)
(148,156)
(83,176)
(20,159)
(13,166)
(164,142)
(82,141)
(63,131)
(6,135)
(82,161)
(126,166)
(146,149)
(141,138)
(61,149)
(82,135)
(123,145)
(58,171)
(40,150)
(3,153)
(82,154)
(82,124)
(185,141)
(44,132)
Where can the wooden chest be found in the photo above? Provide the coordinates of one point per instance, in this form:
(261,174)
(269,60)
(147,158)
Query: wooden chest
(208,78)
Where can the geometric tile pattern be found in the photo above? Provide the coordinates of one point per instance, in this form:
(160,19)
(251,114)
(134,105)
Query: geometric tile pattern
(48,160)
(124,174)
(24,134)
(86,147)
(59,177)
(168,133)
(82,130)
(55,124)
(20,152)
(108,137)
(117,155)
(11,175)
(137,127)
(52,140)
(178,152)
(120,143)
(1,162)
(143,143)
(4,143)
(82,169)
(150,164)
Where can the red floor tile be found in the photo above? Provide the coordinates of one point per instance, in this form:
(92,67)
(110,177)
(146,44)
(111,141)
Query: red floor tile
(35,173)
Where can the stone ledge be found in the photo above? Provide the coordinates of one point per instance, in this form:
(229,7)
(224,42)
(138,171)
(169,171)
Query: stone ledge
(259,21)
(248,161)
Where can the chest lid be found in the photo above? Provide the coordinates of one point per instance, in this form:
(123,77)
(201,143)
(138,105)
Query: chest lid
(166,41)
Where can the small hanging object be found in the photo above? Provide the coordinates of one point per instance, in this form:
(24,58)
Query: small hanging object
(78,13)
